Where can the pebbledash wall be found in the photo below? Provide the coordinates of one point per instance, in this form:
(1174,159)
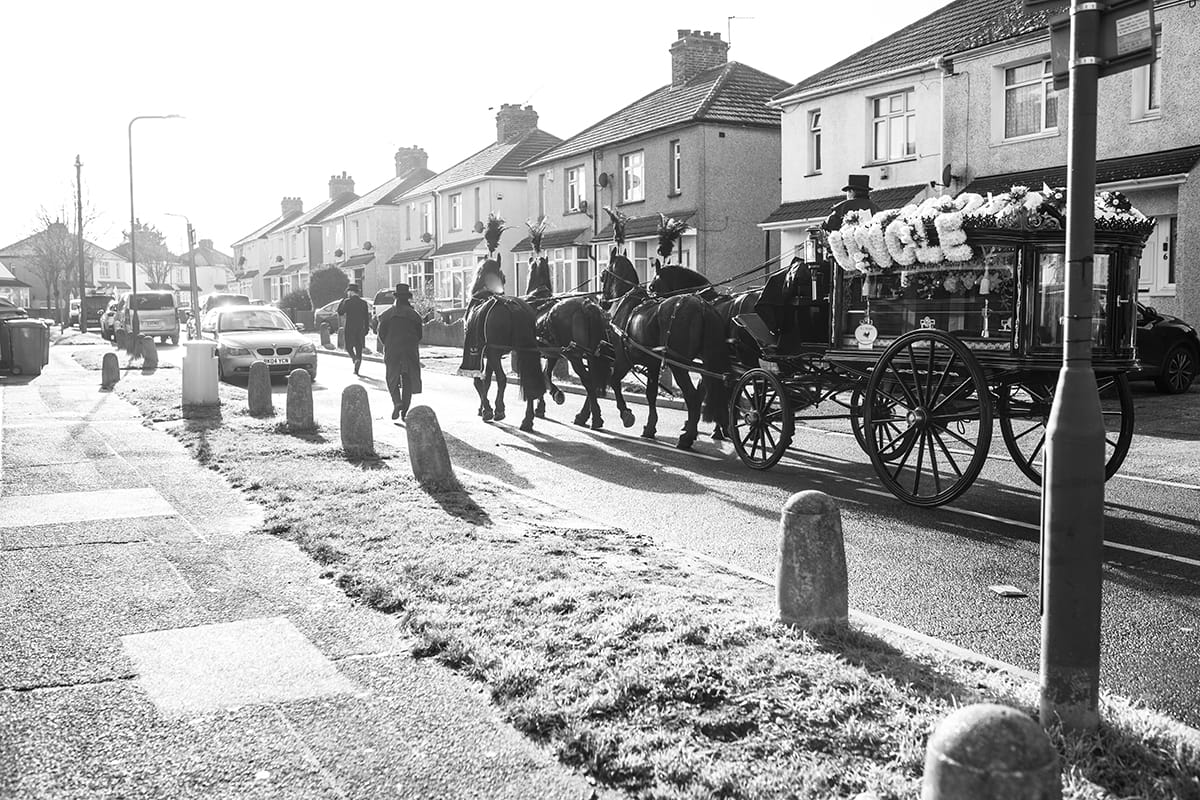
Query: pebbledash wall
(975,143)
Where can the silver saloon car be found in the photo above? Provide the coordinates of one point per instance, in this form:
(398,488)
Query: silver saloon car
(245,334)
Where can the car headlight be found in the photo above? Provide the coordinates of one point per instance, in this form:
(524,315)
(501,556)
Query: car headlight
(307,348)
(234,351)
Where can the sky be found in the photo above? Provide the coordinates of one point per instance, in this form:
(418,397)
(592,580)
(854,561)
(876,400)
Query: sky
(278,96)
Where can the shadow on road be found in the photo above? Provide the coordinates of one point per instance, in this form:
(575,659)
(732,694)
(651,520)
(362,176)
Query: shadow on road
(477,460)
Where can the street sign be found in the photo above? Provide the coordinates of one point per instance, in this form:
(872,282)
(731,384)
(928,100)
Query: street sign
(1126,40)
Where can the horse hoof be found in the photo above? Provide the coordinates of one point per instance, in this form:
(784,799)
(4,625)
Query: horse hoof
(527,426)
(685,442)
(597,424)
(649,433)
(558,397)
(540,413)
(627,419)
(487,415)
(499,415)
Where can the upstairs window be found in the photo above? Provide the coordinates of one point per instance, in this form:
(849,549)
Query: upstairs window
(633,187)
(408,221)
(575,189)
(456,212)
(426,218)
(675,154)
(478,205)
(814,141)
(1030,102)
(1147,86)
(894,126)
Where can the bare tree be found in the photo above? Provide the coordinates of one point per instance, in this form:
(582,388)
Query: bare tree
(153,256)
(54,258)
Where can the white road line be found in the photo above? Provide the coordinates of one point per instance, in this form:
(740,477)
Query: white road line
(1173,484)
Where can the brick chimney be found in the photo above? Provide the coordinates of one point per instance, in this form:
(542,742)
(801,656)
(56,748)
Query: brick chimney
(409,159)
(292,205)
(206,244)
(339,184)
(513,121)
(694,52)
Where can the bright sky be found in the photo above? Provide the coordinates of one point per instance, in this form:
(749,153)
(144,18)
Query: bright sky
(280,95)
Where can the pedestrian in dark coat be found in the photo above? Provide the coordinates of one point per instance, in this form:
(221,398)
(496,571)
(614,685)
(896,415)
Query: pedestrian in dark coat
(358,322)
(399,337)
(858,197)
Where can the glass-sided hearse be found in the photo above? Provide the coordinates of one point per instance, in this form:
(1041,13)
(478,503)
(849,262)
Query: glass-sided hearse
(927,322)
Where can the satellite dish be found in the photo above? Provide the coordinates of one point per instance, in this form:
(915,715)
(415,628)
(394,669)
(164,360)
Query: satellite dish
(602,179)
(947,176)
(478,226)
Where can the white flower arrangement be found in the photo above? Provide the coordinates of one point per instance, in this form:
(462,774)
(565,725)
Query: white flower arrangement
(877,244)
(838,248)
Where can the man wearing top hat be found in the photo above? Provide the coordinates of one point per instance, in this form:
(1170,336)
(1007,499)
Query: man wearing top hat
(400,338)
(858,196)
(358,322)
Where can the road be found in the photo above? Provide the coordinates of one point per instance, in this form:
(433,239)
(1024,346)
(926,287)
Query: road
(929,570)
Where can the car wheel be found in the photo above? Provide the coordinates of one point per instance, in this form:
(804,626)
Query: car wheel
(175,340)
(1178,370)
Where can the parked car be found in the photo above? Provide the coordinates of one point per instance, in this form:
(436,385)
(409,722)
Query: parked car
(328,315)
(384,300)
(94,307)
(108,320)
(155,312)
(10,310)
(73,313)
(245,334)
(217,299)
(1168,349)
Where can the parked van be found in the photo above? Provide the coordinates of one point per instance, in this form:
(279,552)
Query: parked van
(155,312)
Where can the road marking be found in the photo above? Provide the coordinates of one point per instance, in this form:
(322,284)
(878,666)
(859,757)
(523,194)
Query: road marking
(1173,484)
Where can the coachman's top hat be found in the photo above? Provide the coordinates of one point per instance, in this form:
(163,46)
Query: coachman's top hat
(403,292)
(353,287)
(860,183)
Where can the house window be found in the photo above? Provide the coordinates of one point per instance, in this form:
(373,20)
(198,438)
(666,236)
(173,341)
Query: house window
(456,212)
(674,152)
(814,141)
(1030,102)
(103,271)
(575,191)
(408,221)
(426,218)
(337,237)
(1157,270)
(478,207)
(894,126)
(541,195)
(632,185)
(1147,90)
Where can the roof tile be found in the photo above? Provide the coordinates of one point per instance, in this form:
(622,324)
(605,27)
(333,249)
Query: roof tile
(500,159)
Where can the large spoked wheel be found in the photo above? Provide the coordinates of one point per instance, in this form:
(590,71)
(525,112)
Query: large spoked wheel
(927,418)
(761,415)
(1025,409)
(883,432)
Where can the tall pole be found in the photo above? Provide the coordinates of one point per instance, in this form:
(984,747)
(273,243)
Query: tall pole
(79,243)
(1073,490)
(191,235)
(132,218)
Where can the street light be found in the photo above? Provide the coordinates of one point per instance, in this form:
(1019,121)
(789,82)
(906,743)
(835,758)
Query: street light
(193,289)
(132,223)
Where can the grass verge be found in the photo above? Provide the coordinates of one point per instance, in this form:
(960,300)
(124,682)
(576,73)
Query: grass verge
(658,676)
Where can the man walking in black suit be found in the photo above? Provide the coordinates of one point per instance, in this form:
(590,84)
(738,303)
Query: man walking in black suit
(358,322)
(400,329)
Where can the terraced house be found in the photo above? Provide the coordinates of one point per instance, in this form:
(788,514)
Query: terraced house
(964,98)
(704,148)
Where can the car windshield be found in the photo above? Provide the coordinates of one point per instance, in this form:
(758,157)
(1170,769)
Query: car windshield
(97,301)
(219,300)
(385,298)
(254,318)
(154,302)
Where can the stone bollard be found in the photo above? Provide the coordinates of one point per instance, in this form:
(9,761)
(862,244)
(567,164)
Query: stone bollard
(149,353)
(300,402)
(427,449)
(811,580)
(990,752)
(358,435)
(119,339)
(200,374)
(325,341)
(258,390)
(110,371)
(341,337)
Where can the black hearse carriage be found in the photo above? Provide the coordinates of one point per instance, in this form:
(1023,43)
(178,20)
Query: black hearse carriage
(927,322)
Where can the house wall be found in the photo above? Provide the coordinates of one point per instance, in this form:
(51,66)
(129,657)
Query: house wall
(739,179)
(382,227)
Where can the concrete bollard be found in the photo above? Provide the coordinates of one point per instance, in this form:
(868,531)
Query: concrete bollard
(119,339)
(427,449)
(325,340)
(990,752)
(300,402)
(341,337)
(200,374)
(110,371)
(258,390)
(149,353)
(811,581)
(358,434)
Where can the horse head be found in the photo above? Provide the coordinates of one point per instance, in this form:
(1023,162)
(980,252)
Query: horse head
(620,276)
(673,278)
(539,275)
(489,277)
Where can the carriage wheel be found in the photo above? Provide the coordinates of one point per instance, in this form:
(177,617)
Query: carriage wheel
(761,416)
(1025,409)
(927,418)
(884,432)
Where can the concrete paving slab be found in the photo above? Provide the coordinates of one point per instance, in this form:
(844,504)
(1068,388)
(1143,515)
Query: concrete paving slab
(51,509)
(26,446)
(87,475)
(70,534)
(228,665)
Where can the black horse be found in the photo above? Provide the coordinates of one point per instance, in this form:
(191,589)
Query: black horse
(497,325)
(684,329)
(577,328)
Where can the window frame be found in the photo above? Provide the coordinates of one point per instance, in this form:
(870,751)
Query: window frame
(675,160)
(1159,282)
(1046,81)
(814,141)
(454,202)
(574,179)
(1143,86)
(908,117)
(627,170)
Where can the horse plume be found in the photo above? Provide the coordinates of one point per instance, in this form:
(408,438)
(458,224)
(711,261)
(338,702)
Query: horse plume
(491,234)
(669,231)
(537,230)
(618,221)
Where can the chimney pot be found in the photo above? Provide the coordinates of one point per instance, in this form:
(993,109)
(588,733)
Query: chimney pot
(340,184)
(291,205)
(410,159)
(513,121)
(695,52)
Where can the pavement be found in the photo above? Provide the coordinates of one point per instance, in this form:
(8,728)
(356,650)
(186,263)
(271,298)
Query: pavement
(156,643)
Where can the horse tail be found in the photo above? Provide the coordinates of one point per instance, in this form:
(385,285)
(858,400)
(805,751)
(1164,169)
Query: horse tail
(716,360)
(599,365)
(527,359)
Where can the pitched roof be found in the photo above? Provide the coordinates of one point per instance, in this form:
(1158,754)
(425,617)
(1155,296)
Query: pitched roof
(412,254)
(733,93)
(552,239)
(208,257)
(958,26)
(386,193)
(323,210)
(641,227)
(271,226)
(891,197)
(1109,170)
(465,246)
(24,247)
(500,159)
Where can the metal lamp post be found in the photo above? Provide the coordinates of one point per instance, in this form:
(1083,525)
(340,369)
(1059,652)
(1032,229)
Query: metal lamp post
(132,218)
(194,290)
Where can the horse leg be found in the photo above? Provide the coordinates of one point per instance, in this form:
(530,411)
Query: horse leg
(548,372)
(496,367)
(527,423)
(555,393)
(693,398)
(650,430)
(584,378)
(485,408)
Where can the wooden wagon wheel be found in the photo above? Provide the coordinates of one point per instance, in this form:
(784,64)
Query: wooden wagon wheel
(761,415)
(927,418)
(1024,410)
(883,432)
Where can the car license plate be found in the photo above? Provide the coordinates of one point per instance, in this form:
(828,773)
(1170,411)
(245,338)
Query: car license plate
(277,360)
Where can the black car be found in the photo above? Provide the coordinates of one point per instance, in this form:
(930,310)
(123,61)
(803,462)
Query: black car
(1168,349)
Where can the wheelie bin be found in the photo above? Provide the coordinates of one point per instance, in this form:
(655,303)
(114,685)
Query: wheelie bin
(24,346)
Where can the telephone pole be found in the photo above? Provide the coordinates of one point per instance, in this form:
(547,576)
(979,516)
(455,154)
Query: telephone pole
(79,244)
